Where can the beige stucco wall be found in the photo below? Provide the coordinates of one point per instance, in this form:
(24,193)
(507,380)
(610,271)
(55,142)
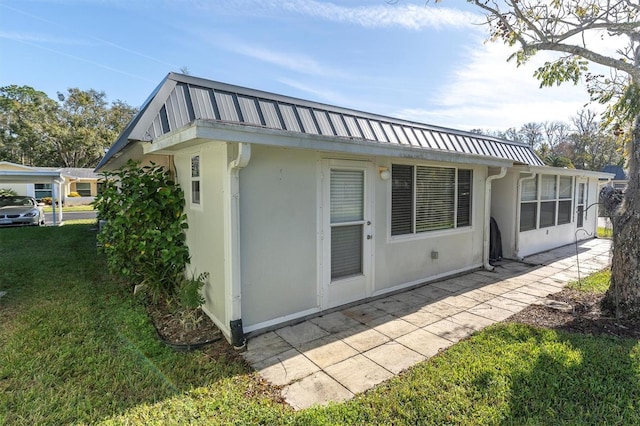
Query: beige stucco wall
(407,259)
(19,188)
(205,235)
(280,228)
(278,240)
(504,193)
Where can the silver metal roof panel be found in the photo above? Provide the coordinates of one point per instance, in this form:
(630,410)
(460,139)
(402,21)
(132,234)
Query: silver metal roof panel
(270,114)
(249,110)
(308,123)
(290,118)
(353,127)
(180,99)
(338,125)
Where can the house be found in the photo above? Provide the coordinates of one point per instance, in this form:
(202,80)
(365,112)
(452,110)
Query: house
(28,181)
(620,176)
(296,207)
(54,182)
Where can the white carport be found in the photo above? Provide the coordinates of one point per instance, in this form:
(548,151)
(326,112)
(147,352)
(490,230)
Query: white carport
(39,176)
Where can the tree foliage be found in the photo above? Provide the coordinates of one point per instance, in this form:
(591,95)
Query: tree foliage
(581,144)
(584,32)
(71,132)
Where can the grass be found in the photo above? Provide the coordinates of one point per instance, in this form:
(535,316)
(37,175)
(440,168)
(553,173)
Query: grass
(605,232)
(76,348)
(598,282)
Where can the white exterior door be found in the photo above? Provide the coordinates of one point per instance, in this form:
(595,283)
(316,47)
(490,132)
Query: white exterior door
(581,202)
(346,232)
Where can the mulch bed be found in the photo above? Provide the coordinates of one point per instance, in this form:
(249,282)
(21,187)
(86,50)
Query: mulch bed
(172,330)
(586,318)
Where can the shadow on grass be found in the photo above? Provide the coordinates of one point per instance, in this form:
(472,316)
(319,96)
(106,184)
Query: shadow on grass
(75,345)
(571,378)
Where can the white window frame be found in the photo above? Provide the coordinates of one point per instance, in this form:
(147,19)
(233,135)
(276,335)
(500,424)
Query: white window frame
(414,233)
(539,201)
(195,177)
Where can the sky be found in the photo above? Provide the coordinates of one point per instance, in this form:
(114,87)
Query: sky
(412,59)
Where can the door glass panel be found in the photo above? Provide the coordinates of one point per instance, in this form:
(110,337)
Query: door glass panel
(347,199)
(346,251)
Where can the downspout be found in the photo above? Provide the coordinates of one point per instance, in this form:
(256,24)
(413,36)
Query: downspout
(233,269)
(531,176)
(487,217)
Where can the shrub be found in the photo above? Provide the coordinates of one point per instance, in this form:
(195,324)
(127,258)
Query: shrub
(73,194)
(7,192)
(189,299)
(143,237)
(47,200)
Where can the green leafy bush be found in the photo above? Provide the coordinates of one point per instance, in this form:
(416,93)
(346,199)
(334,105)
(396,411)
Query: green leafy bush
(143,237)
(7,192)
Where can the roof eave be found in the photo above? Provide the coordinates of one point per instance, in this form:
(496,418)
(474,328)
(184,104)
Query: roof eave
(204,131)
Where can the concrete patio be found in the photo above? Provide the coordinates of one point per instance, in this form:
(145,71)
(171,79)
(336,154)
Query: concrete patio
(342,353)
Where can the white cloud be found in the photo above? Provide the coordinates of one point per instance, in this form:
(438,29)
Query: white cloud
(295,62)
(489,93)
(379,15)
(410,16)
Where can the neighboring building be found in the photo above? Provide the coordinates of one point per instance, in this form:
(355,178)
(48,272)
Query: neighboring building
(41,182)
(296,207)
(620,176)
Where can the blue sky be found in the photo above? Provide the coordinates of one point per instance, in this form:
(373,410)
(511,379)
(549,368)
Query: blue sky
(411,59)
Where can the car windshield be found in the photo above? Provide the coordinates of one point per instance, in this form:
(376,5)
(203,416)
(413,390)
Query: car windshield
(16,201)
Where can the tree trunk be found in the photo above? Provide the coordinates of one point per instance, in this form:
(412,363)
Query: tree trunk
(623,297)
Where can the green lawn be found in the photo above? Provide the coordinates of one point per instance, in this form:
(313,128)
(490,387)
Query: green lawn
(75,347)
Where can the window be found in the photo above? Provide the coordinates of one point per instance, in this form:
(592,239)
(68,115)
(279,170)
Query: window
(545,201)
(83,189)
(429,198)
(529,205)
(548,195)
(42,190)
(195,179)
(564,200)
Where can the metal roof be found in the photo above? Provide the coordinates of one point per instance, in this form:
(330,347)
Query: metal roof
(181,99)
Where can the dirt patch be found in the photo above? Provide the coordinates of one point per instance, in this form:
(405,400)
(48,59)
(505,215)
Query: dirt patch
(173,326)
(586,317)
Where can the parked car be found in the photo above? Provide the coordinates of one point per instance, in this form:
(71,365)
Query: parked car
(21,211)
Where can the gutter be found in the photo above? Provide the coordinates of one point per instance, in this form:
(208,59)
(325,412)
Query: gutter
(532,175)
(232,243)
(487,217)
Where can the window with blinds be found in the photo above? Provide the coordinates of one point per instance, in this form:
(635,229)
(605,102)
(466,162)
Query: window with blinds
(429,198)
(347,222)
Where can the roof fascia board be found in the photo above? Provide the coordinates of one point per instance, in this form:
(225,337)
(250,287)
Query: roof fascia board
(202,131)
(570,172)
(150,112)
(137,127)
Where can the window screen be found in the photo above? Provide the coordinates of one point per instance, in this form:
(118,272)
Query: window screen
(427,198)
